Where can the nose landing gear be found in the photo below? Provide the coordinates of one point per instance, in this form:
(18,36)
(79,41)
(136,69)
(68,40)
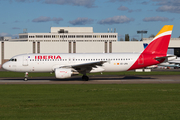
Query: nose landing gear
(26,76)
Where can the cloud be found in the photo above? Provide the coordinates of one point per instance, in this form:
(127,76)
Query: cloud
(57,20)
(85,3)
(23,0)
(157,18)
(145,3)
(28,1)
(171,6)
(116,20)
(166,8)
(81,21)
(9,35)
(120,0)
(137,10)
(123,8)
(5,34)
(16,21)
(47,19)
(16,28)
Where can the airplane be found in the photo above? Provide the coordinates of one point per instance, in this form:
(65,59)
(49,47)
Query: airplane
(65,65)
(172,63)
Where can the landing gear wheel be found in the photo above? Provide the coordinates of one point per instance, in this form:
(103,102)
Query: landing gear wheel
(25,79)
(26,76)
(85,78)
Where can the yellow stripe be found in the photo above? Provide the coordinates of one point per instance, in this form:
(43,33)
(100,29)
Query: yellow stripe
(165,29)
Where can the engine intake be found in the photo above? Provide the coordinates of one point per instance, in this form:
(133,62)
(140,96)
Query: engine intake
(63,73)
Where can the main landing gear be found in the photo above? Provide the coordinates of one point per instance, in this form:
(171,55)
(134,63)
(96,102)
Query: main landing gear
(26,76)
(85,78)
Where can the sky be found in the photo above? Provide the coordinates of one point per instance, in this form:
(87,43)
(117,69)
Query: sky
(126,16)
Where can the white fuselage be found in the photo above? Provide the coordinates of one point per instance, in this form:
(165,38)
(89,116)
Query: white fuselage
(49,62)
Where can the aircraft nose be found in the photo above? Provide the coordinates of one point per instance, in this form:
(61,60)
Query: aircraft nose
(5,66)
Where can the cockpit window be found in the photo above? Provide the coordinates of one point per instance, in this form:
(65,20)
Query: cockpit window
(13,59)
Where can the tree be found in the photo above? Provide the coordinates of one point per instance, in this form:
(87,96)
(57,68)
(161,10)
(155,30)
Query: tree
(151,36)
(121,39)
(126,37)
(134,39)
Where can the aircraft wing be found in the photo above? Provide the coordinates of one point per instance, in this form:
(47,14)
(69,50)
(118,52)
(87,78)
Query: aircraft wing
(87,67)
(91,64)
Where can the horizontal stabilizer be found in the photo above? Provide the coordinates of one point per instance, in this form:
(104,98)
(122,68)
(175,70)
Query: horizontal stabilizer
(162,58)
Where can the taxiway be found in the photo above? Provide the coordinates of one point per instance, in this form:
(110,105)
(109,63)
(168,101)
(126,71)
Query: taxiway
(101,79)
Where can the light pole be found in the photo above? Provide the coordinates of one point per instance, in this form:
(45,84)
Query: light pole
(142,32)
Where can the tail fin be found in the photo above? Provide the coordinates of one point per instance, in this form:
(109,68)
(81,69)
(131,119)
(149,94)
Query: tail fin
(159,45)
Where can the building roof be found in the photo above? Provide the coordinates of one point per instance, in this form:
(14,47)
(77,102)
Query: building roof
(71,29)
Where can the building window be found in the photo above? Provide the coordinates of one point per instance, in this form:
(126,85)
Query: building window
(39,36)
(79,36)
(31,36)
(96,36)
(47,36)
(88,36)
(23,36)
(71,36)
(104,36)
(112,36)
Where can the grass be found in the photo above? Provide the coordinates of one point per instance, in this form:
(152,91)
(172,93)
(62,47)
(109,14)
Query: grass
(90,102)
(5,74)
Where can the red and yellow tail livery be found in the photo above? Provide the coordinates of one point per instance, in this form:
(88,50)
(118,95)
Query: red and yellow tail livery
(156,51)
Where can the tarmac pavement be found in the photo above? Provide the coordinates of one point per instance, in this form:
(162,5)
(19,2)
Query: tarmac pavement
(98,79)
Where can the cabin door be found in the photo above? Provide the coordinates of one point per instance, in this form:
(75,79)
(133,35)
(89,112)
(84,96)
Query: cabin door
(25,60)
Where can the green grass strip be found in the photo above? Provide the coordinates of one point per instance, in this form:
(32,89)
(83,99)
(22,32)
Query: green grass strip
(90,102)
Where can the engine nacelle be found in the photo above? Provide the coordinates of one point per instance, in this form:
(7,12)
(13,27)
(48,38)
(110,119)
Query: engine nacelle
(63,73)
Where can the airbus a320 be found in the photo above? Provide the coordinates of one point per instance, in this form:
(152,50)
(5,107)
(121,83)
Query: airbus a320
(67,65)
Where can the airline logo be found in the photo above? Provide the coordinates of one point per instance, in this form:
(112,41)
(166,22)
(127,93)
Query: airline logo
(48,57)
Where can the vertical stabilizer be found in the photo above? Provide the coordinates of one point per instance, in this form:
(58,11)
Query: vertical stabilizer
(159,45)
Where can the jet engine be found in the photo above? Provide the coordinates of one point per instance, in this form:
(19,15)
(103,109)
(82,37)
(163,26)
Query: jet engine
(63,73)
